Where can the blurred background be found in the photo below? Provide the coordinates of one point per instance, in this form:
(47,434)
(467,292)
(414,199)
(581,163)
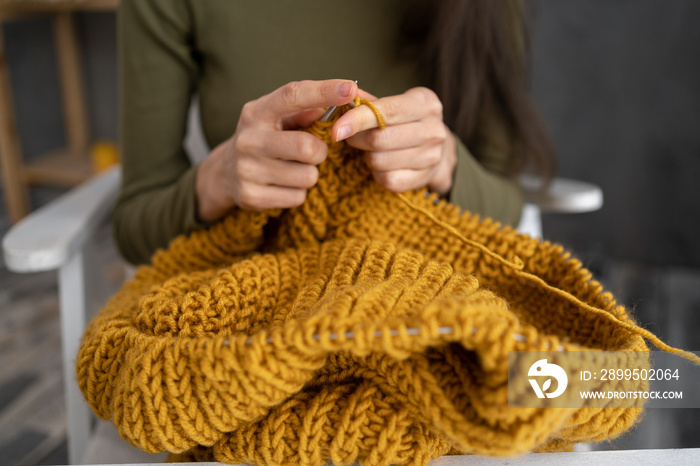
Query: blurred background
(618,82)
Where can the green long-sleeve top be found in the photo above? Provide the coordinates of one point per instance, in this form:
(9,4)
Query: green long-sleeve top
(229,52)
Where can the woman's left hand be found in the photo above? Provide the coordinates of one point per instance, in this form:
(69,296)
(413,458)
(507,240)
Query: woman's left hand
(416,149)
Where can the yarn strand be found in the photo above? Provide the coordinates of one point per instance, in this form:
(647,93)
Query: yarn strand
(517,264)
(368,103)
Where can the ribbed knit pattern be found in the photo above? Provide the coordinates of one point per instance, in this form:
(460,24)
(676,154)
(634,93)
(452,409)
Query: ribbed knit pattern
(318,333)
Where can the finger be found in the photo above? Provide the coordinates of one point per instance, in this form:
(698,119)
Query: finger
(282,173)
(261,197)
(301,95)
(413,105)
(303,119)
(403,136)
(400,181)
(286,145)
(411,159)
(366,95)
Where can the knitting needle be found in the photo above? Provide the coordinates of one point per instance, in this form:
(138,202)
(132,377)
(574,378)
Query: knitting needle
(393,332)
(331,110)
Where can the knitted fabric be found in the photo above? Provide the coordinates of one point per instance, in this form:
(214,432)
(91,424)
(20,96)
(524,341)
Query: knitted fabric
(318,333)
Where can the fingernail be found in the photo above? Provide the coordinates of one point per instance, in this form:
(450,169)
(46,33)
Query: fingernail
(343,132)
(344,89)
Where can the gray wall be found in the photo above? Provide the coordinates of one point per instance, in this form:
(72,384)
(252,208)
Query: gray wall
(618,82)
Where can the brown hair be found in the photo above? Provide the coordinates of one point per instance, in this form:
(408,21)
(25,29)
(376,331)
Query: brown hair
(475,51)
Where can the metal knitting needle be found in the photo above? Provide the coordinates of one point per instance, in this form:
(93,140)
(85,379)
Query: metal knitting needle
(331,110)
(444,330)
(378,334)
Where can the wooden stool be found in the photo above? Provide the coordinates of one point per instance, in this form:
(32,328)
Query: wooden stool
(70,166)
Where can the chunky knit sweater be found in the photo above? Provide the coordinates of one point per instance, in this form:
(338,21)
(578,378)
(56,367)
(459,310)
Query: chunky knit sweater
(361,326)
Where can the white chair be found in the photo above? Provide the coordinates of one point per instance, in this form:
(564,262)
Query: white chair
(562,196)
(60,237)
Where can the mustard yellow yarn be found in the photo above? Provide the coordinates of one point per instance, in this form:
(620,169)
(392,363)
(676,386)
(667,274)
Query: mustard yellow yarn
(313,334)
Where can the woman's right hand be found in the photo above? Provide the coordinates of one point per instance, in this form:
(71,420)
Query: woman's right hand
(267,163)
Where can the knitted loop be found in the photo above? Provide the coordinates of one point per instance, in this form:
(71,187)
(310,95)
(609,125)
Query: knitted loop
(375,110)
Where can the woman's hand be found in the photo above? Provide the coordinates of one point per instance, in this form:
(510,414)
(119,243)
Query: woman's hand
(416,149)
(266,164)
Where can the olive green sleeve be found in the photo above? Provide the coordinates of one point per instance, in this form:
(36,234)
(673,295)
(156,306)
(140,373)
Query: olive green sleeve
(157,76)
(476,189)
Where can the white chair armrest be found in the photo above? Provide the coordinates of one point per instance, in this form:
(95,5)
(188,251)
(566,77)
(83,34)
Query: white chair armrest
(56,237)
(48,237)
(562,196)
